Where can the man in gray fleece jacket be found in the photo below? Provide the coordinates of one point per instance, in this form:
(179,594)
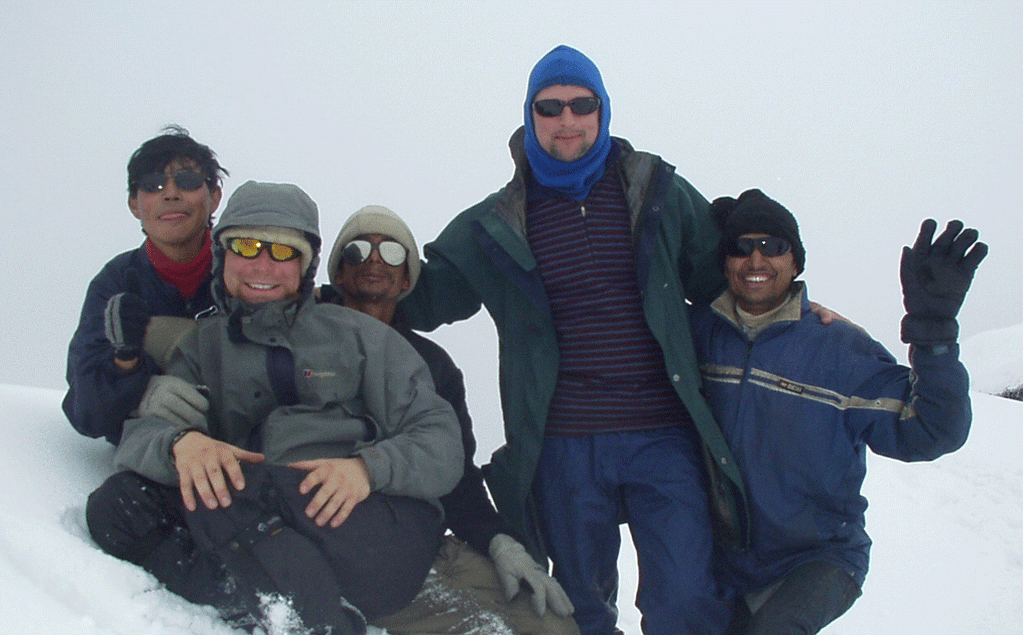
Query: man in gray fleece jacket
(315,473)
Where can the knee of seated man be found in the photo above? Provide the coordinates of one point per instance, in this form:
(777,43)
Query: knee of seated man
(126,510)
(809,598)
(464,595)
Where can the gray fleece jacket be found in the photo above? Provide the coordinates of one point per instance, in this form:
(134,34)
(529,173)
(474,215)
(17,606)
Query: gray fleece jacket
(299,380)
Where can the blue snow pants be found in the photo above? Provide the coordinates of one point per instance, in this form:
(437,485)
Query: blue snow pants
(653,480)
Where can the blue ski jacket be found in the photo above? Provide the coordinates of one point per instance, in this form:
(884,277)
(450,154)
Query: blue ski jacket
(799,405)
(100,396)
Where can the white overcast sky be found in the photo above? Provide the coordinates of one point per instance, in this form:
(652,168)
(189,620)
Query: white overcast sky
(862,118)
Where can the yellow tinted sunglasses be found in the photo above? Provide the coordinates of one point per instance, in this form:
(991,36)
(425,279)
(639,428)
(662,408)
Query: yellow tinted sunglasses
(251,248)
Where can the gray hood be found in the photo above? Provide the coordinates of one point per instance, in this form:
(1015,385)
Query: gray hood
(268,205)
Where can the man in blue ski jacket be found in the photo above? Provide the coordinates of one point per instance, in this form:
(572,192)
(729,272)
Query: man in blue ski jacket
(800,403)
(174,187)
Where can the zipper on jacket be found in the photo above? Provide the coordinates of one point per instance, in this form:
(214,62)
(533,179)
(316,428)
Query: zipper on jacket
(745,382)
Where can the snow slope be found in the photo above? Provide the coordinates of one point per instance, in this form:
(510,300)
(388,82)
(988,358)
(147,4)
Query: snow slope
(946,560)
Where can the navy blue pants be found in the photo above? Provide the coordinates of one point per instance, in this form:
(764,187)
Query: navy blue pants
(654,480)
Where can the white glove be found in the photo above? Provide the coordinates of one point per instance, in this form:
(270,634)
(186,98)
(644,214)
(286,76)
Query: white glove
(514,564)
(175,400)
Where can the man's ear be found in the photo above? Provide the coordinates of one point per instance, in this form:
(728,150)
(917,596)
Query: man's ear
(215,195)
(133,205)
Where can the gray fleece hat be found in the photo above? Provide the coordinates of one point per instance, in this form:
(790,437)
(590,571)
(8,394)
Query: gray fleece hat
(376,219)
(274,212)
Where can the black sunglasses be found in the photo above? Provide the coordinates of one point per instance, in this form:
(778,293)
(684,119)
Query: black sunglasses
(185,180)
(358,251)
(769,246)
(554,107)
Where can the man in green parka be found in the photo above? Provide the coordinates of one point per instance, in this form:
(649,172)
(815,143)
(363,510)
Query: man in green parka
(586,261)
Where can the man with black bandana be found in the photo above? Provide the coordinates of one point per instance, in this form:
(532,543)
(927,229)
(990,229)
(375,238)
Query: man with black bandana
(585,261)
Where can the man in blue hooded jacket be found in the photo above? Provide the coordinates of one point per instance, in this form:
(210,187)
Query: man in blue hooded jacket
(801,403)
(585,261)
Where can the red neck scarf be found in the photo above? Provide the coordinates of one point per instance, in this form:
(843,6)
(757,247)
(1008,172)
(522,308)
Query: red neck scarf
(186,276)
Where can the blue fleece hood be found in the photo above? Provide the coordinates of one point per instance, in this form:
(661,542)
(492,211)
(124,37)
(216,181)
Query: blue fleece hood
(566,66)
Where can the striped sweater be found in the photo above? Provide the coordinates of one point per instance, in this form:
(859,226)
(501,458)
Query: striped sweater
(612,375)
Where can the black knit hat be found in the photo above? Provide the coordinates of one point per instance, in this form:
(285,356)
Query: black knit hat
(755,213)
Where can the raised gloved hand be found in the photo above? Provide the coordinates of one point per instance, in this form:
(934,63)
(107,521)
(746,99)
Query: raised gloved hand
(515,565)
(935,279)
(175,400)
(125,318)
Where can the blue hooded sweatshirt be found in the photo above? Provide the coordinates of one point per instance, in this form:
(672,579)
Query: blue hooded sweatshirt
(565,66)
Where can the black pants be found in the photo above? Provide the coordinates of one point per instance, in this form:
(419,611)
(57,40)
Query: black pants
(806,601)
(263,542)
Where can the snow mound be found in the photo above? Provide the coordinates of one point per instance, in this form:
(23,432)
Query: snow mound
(947,534)
(995,360)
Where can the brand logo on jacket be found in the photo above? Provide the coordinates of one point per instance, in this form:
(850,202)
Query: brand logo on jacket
(309,374)
(791,387)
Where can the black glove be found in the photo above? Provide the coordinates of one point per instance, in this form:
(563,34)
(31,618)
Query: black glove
(935,279)
(331,294)
(126,317)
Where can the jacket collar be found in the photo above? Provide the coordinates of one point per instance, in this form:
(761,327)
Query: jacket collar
(267,323)
(786,313)
(635,171)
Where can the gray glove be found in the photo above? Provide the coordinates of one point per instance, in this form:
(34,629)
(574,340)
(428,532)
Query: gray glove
(125,318)
(515,565)
(175,400)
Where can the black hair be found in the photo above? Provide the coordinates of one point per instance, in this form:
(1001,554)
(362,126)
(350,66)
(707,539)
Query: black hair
(175,143)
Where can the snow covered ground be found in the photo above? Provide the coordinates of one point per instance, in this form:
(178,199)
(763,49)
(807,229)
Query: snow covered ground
(946,560)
